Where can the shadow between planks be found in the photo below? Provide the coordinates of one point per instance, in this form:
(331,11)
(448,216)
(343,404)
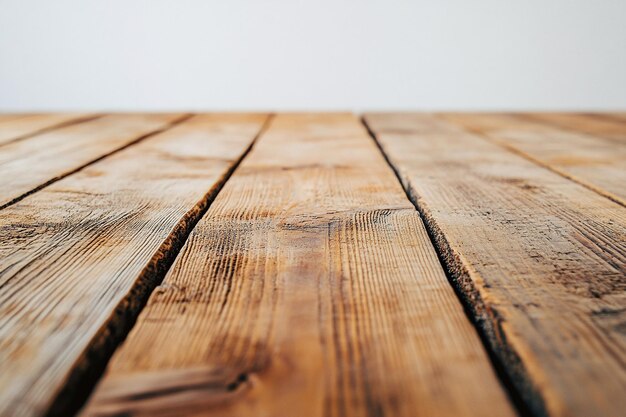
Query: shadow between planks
(542,394)
(117,222)
(309,288)
(538,255)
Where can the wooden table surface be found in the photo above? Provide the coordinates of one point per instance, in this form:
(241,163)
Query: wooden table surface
(311,265)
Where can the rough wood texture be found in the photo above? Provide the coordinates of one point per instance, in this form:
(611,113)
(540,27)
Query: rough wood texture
(27,165)
(15,127)
(310,288)
(594,161)
(595,125)
(71,253)
(541,260)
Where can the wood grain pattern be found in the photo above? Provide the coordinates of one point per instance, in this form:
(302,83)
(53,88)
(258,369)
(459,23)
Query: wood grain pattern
(28,165)
(594,161)
(77,257)
(310,288)
(541,259)
(593,124)
(18,126)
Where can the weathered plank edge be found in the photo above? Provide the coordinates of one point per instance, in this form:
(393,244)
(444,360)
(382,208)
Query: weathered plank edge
(511,148)
(509,368)
(90,366)
(55,126)
(135,141)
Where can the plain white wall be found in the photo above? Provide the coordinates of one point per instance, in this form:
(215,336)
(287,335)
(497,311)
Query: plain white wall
(315,54)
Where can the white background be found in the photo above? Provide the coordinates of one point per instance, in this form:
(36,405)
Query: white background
(316,54)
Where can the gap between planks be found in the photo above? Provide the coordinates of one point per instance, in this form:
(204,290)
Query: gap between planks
(23,125)
(153,274)
(574,148)
(72,367)
(309,288)
(499,366)
(28,184)
(558,337)
(176,249)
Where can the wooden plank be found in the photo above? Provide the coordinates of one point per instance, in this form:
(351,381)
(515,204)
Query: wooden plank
(594,125)
(595,162)
(15,127)
(11,116)
(77,258)
(28,165)
(541,260)
(617,116)
(310,288)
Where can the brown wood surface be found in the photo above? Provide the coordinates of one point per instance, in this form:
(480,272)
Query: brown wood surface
(540,259)
(30,164)
(4,117)
(310,288)
(595,125)
(595,161)
(71,253)
(619,116)
(18,126)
